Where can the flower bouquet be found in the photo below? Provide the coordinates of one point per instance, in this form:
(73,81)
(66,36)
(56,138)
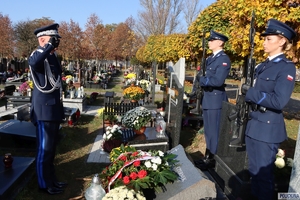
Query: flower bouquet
(112,138)
(134,93)
(283,165)
(25,86)
(122,192)
(145,84)
(136,118)
(139,169)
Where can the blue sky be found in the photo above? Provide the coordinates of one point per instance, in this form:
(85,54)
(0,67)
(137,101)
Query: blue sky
(109,11)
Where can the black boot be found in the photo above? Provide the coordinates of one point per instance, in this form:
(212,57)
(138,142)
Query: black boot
(203,160)
(209,163)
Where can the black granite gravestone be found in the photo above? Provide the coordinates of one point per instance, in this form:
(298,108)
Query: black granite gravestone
(231,171)
(174,107)
(191,184)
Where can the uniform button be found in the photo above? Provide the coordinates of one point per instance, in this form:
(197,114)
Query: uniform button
(268,122)
(267,78)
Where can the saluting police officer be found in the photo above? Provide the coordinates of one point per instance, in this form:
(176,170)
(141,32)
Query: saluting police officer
(47,110)
(274,84)
(217,69)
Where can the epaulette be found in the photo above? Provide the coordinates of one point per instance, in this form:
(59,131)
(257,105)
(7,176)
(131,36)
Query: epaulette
(277,60)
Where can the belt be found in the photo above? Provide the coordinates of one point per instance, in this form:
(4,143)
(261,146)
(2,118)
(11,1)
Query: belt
(262,109)
(210,88)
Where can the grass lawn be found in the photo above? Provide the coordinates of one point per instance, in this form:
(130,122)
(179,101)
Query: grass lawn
(76,143)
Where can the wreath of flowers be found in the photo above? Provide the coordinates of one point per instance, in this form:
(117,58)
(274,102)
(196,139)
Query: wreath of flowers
(139,169)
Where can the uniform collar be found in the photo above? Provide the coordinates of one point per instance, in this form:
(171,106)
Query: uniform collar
(272,57)
(216,52)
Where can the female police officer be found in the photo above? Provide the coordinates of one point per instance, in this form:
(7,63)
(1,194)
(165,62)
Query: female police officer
(273,86)
(217,69)
(47,111)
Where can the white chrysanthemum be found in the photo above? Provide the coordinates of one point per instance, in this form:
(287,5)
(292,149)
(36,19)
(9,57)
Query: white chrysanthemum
(109,136)
(115,126)
(156,160)
(148,164)
(154,167)
(130,194)
(280,153)
(160,153)
(113,130)
(280,163)
(104,136)
(140,197)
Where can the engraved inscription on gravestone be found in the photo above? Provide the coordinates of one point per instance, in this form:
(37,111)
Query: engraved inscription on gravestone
(294,186)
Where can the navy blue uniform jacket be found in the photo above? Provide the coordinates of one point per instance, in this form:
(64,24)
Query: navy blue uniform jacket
(217,70)
(45,106)
(274,84)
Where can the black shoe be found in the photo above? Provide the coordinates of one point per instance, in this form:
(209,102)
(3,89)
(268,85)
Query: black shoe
(60,184)
(209,164)
(52,190)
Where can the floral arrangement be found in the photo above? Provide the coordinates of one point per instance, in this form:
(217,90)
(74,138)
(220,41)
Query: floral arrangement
(96,79)
(130,76)
(25,86)
(113,137)
(283,165)
(136,117)
(145,84)
(67,79)
(114,132)
(139,169)
(134,93)
(122,192)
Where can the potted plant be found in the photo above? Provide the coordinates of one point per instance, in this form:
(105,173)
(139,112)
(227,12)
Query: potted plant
(110,118)
(134,93)
(136,118)
(25,86)
(139,170)
(113,137)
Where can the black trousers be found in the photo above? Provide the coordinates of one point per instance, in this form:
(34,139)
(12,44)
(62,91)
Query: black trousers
(47,136)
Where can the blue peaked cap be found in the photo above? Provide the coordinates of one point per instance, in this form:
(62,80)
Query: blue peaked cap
(51,30)
(217,36)
(275,27)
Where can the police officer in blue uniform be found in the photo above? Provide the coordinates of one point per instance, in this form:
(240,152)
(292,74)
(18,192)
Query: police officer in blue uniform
(273,86)
(47,110)
(213,83)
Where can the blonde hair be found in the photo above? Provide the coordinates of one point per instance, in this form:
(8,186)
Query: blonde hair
(287,45)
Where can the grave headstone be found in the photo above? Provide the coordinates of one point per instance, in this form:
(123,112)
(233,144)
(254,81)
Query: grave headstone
(174,105)
(191,184)
(294,186)
(231,171)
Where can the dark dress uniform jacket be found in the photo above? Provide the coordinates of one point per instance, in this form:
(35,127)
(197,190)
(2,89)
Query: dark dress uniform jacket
(274,84)
(217,70)
(45,106)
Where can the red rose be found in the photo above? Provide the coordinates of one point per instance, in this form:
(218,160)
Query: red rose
(135,153)
(137,163)
(126,180)
(133,175)
(142,173)
(123,158)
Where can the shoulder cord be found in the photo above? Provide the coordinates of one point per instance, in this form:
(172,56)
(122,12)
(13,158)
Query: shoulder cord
(56,84)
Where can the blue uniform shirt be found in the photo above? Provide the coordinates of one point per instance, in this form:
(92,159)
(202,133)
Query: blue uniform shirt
(45,106)
(274,84)
(217,70)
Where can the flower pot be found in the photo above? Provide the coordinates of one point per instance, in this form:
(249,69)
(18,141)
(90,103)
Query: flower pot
(133,101)
(140,131)
(107,123)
